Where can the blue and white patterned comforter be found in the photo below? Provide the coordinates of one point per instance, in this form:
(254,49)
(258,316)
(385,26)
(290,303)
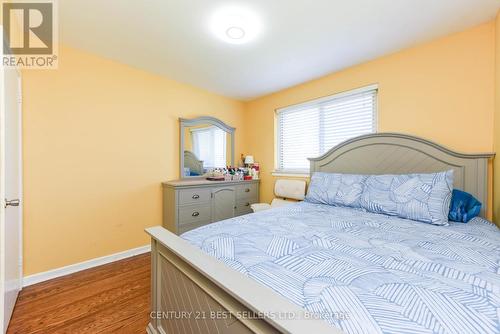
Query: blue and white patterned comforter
(381,274)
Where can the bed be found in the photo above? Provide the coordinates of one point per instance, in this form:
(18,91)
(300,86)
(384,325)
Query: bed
(323,269)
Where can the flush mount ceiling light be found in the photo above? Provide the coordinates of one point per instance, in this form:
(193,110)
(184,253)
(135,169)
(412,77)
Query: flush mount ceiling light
(235,25)
(235,32)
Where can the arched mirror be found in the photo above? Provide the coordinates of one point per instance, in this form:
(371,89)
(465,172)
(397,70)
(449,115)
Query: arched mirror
(206,143)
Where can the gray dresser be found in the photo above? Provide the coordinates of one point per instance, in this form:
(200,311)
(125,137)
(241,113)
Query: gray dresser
(191,203)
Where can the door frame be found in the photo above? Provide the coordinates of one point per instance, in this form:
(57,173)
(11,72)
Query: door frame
(2,187)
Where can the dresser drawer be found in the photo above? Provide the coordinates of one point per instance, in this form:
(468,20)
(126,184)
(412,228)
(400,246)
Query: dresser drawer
(247,191)
(246,202)
(242,211)
(243,205)
(190,226)
(194,213)
(195,195)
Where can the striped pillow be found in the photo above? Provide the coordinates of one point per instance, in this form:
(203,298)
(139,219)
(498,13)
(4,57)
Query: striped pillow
(336,189)
(421,197)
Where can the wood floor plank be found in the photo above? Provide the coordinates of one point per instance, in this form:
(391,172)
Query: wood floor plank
(52,314)
(81,278)
(91,288)
(113,298)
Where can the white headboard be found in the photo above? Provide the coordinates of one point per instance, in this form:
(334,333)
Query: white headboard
(395,153)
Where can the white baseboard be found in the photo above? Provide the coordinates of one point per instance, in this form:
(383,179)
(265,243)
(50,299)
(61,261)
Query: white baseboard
(73,268)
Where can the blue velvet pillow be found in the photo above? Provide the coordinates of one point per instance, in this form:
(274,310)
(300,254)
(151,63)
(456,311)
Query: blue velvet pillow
(463,207)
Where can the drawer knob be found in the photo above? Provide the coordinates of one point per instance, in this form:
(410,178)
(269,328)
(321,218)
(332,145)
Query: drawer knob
(247,190)
(195,214)
(248,204)
(196,196)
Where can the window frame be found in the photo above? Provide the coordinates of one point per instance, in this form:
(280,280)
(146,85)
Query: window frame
(306,172)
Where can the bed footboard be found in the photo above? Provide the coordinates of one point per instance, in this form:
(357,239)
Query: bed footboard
(184,301)
(192,292)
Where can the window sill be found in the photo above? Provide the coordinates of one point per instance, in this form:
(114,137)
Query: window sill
(290,174)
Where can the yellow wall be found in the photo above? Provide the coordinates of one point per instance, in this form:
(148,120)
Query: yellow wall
(99,138)
(442,90)
(496,195)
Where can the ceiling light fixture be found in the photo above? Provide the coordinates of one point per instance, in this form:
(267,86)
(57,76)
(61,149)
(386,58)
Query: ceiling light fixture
(235,32)
(235,25)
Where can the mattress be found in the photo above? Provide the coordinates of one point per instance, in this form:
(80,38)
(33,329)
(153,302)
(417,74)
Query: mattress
(365,272)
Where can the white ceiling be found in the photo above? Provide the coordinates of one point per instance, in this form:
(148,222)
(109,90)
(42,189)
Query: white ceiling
(301,39)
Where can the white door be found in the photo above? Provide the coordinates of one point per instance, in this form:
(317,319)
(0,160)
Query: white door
(10,192)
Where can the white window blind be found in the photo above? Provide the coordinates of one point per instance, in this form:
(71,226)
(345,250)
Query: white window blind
(310,129)
(209,145)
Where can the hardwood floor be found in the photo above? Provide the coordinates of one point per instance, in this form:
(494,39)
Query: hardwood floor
(113,298)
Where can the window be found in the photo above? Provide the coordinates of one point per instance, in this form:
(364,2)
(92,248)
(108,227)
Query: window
(209,145)
(310,129)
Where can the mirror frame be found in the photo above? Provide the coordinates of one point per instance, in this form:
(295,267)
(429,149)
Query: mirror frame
(184,123)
